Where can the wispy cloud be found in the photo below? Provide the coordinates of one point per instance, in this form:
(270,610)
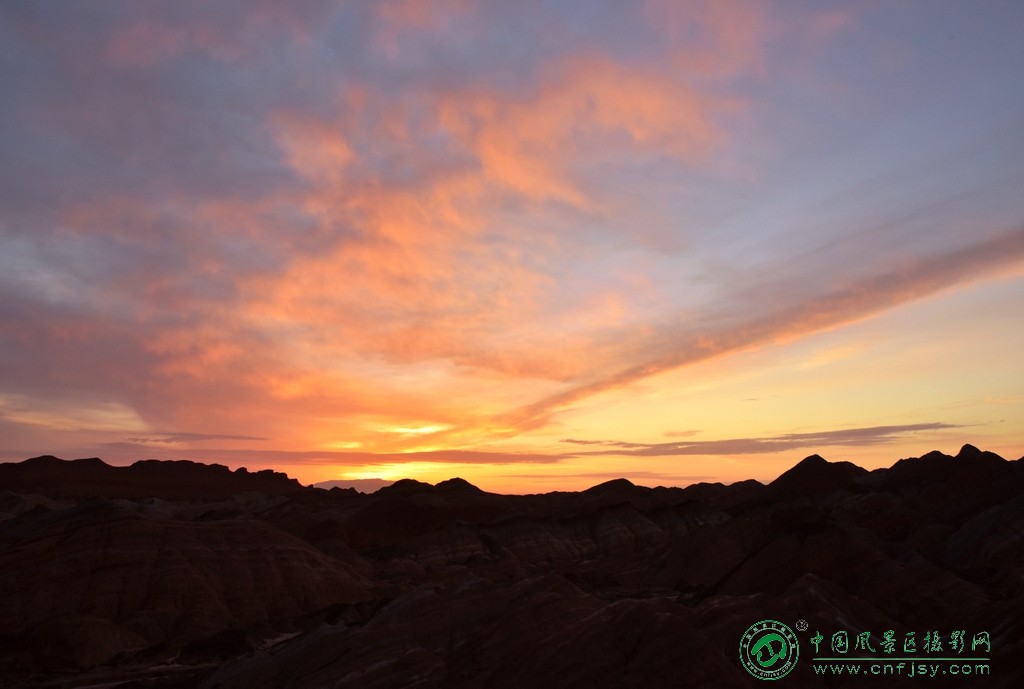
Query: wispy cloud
(334,459)
(854,437)
(174,438)
(672,345)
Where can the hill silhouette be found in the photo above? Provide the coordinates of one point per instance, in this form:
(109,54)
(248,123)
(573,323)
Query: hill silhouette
(177,480)
(180,574)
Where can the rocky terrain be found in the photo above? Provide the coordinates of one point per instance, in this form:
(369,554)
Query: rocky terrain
(178,574)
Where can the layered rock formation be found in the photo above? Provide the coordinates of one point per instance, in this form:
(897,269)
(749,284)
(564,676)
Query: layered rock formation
(179,575)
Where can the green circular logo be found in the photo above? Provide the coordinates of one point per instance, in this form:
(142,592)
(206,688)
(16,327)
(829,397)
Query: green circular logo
(769,650)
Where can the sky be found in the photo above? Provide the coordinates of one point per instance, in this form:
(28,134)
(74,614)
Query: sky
(537,245)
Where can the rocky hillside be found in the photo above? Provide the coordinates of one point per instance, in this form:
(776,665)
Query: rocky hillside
(176,574)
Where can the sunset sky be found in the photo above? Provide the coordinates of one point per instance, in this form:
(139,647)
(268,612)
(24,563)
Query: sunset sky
(537,245)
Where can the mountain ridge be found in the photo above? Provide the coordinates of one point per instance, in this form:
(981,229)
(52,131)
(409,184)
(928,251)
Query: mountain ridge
(46,471)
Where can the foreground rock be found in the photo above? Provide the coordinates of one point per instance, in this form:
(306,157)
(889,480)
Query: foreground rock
(274,585)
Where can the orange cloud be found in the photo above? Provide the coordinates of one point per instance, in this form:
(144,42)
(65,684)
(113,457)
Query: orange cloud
(587,110)
(314,149)
(422,271)
(415,277)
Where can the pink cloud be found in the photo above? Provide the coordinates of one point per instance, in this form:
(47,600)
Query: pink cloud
(712,39)
(143,44)
(828,23)
(398,21)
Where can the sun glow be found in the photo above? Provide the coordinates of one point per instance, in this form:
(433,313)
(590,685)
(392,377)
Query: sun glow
(416,430)
(344,445)
(431,472)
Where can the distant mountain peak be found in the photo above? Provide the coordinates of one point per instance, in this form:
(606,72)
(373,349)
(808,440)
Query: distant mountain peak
(815,474)
(50,460)
(457,483)
(934,455)
(970,453)
(968,450)
(405,485)
(616,485)
(42,459)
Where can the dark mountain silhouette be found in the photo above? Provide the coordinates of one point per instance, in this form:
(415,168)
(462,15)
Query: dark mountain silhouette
(815,475)
(181,480)
(179,574)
